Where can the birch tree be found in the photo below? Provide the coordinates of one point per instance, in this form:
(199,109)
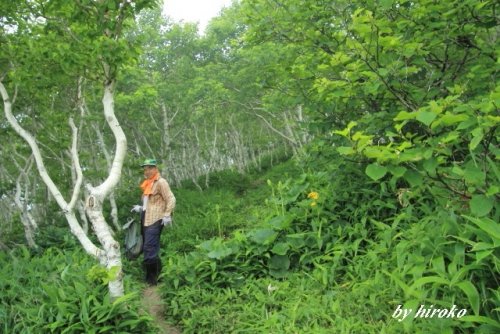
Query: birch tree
(51,40)
(21,200)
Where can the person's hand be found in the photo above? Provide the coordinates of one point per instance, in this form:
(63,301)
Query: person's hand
(166,221)
(136,208)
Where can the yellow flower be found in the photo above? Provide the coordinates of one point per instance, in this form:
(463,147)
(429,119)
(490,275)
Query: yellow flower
(313,204)
(313,195)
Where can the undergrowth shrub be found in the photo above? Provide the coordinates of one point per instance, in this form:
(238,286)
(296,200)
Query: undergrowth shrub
(399,208)
(63,292)
(295,305)
(222,208)
(341,231)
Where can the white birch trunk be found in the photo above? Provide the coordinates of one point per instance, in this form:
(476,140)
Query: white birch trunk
(112,260)
(112,200)
(80,207)
(240,156)
(76,229)
(165,148)
(80,204)
(27,219)
(290,133)
(98,194)
(109,255)
(300,121)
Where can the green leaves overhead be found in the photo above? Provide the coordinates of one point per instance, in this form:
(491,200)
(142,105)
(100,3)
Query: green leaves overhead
(71,38)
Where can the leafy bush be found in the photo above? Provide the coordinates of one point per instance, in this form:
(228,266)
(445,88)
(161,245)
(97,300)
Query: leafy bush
(397,207)
(221,209)
(60,292)
(337,231)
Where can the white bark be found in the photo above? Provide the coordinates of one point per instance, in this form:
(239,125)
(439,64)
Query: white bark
(290,133)
(20,199)
(114,211)
(112,200)
(239,150)
(269,124)
(166,138)
(213,156)
(115,171)
(80,204)
(80,207)
(110,256)
(300,121)
(29,223)
(112,259)
(99,193)
(75,227)
(76,167)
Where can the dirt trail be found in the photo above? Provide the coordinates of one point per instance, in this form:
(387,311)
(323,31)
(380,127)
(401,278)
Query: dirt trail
(153,304)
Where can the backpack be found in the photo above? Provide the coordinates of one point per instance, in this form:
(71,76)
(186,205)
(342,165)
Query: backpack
(133,239)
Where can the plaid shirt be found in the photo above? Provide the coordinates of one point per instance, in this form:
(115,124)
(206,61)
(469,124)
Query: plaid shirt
(160,203)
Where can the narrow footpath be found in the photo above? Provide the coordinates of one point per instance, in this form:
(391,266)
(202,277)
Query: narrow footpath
(153,304)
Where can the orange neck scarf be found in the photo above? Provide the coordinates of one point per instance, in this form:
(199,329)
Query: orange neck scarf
(147,185)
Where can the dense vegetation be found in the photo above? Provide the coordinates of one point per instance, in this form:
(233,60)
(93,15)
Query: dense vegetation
(333,250)
(384,116)
(60,291)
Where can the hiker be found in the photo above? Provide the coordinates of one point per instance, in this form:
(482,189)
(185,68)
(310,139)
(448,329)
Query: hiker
(158,203)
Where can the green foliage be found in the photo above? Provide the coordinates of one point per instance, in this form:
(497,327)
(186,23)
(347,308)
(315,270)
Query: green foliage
(58,292)
(271,306)
(233,201)
(395,202)
(335,232)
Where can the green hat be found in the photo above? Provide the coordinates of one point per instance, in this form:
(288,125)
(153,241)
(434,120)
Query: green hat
(149,162)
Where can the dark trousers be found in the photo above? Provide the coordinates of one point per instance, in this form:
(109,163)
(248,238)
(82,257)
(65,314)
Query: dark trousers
(151,250)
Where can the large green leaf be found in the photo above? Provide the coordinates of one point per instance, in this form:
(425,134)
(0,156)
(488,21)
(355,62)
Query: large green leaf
(413,177)
(279,265)
(281,222)
(386,4)
(426,117)
(281,248)
(474,175)
(477,137)
(438,280)
(220,252)
(296,241)
(471,292)
(263,236)
(397,171)
(480,205)
(346,150)
(489,226)
(481,320)
(375,171)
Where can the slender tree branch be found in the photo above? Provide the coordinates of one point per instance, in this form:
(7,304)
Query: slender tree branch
(439,178)
(76,229)
(76,164)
